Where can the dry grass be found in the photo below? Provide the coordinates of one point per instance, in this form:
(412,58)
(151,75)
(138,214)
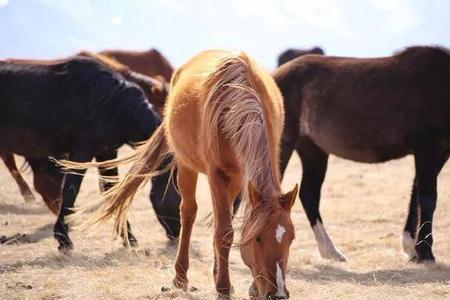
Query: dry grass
(363,207)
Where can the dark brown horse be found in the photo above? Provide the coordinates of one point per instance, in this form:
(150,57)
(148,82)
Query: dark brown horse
(293,53)
(369,110)
(150,63)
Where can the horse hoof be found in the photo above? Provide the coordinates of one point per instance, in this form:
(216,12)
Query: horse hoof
(408,245)
(29,197)
(424,254)
(222,297)
(427,262)
(180,283)
(65,250)
(333,254)
(132,243)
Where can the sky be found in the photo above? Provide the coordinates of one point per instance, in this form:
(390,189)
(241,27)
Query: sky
(182,28)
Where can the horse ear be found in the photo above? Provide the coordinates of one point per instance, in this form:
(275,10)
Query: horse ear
(288,199)
(253,194)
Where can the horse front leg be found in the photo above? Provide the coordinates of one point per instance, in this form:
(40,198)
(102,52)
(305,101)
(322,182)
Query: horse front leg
(314,163)
(187,181)
(166,202)
(427,163)
(70,191)
(224,190)
(410,229)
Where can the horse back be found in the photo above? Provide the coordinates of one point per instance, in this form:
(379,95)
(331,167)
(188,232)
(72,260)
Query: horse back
(187,102)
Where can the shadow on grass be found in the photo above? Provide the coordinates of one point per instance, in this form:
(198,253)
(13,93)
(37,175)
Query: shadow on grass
(410,274)
(110,259)
(40,233)
(24,209)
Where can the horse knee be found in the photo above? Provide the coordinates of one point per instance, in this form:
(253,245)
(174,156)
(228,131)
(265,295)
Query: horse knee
(188,211)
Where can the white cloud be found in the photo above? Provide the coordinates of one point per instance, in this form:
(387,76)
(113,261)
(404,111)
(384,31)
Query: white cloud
(399,14)
(117,20)
(3,2)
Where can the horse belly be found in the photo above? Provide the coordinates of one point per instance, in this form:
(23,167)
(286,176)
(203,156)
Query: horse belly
(360,146)
(184,140)
(26,143)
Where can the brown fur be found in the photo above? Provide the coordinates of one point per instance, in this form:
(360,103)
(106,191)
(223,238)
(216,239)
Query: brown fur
(151,63)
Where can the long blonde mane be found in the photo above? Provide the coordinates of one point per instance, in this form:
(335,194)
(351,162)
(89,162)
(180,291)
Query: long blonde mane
(235,108)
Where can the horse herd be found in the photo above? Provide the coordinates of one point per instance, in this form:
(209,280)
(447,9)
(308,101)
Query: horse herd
(226,117)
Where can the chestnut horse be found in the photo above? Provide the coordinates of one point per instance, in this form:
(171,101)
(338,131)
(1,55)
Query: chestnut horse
(369,110)
(150,63)
(224,118)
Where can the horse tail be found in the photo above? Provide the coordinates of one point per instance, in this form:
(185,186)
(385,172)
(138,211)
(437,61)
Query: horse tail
(117,201)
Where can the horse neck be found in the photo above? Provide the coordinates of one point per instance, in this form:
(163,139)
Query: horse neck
(140,117)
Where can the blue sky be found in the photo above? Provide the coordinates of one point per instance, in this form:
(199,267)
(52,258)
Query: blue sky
(263,28)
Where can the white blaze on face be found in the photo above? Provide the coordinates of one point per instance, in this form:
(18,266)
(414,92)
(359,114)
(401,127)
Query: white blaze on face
(280,283)
(279,232)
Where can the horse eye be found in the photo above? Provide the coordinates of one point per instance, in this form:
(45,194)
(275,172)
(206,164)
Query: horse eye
(258,239)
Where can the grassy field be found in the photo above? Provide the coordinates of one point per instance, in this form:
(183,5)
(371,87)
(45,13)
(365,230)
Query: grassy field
(363,207)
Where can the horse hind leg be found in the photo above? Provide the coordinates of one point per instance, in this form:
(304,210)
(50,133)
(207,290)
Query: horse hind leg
(410,230)
(427,163)
(187,181)
(314,163)
(25,191)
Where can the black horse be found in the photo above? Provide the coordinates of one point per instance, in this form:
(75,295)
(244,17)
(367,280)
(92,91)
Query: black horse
(370,110)
(80,110)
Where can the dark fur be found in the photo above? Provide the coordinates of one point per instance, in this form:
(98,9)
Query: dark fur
(292,53)
(370,110)
(77,109)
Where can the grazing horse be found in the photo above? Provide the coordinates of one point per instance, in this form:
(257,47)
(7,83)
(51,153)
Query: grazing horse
(369,110)
(75,108)
(150,63)
(223,118)
(292,53)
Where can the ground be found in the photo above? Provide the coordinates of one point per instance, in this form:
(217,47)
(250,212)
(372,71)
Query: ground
(363,207)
